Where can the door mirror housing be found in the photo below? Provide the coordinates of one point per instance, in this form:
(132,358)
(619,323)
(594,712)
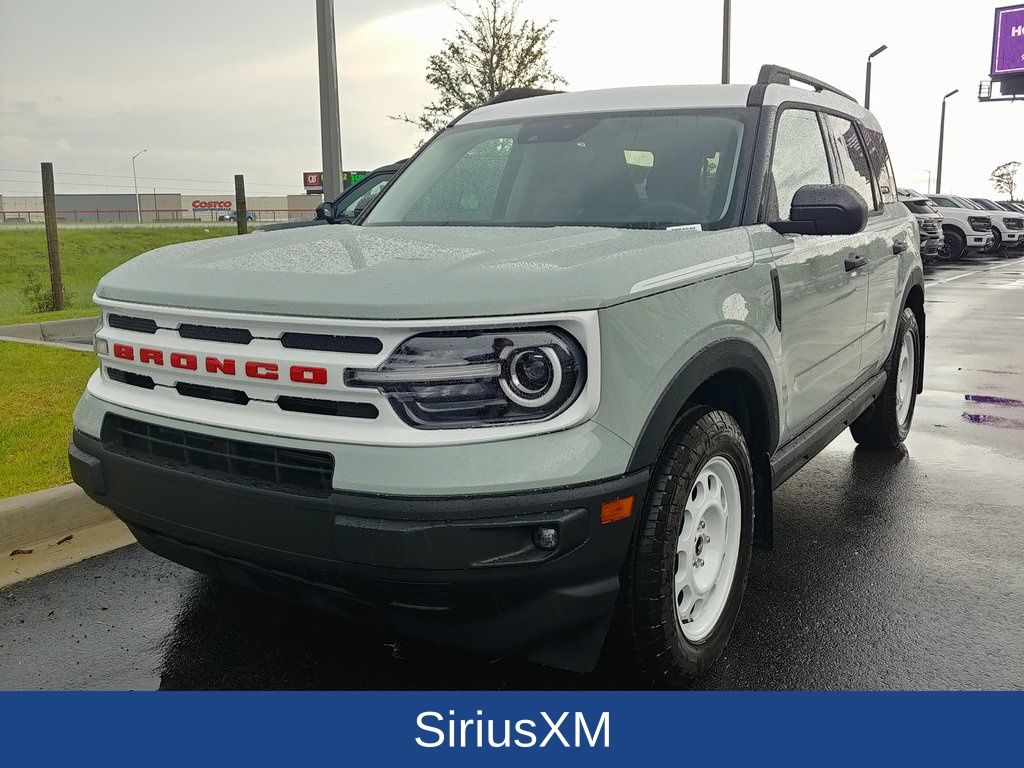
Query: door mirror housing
(325,212)
(825,209)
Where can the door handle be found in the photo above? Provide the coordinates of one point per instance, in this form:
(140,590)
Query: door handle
(855,263)
(899,247)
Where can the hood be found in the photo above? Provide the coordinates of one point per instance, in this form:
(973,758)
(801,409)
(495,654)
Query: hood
(413,272)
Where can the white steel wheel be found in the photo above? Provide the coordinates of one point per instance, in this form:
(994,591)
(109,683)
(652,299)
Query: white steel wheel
(905,377)
(707,550)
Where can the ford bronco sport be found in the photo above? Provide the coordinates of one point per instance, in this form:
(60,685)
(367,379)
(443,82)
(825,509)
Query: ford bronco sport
(546,387)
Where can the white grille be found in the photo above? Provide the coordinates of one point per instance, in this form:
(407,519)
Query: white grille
(262,414)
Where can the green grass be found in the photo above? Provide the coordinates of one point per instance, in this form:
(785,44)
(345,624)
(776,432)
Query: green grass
(87,255)
(39,387)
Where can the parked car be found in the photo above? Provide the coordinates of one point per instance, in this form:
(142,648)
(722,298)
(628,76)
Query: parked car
(965,228)
(1007,227)
(233,216)
(929,222)
(344,208)
(555,374)
(1012,205)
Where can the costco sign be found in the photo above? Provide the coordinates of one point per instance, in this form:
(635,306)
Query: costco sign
(212,205)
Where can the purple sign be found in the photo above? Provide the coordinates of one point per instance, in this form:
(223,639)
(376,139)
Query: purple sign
(1008,42)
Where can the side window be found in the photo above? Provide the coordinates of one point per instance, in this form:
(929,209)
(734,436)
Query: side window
(878,152)
(852,158)
(799,158)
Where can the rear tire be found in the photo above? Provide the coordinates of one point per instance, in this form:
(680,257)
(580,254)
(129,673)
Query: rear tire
(684,579)
(886,424)
(954,246)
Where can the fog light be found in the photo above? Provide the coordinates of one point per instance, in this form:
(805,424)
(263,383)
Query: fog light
(545,537)
(100,346)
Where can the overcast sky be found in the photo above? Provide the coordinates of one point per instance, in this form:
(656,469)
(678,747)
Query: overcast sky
(214,89)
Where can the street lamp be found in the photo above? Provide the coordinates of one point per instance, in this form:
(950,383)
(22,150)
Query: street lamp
(942,141)
(138,207)
(867,77)
(928,191)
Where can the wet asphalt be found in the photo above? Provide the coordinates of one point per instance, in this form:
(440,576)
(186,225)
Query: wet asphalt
(900,571)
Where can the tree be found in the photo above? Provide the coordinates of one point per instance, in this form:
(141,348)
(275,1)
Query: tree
(1004,179)
(492,51)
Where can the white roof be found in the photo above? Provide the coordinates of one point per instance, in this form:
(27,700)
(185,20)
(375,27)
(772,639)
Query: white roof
(649,97)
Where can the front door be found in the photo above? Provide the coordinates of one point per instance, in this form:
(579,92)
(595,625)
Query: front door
(823,280)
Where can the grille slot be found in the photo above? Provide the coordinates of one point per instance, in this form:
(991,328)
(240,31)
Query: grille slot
(328,407)
(250,464)
(127,323)
(319,342)
(220,394)
(214,333)
(133,379)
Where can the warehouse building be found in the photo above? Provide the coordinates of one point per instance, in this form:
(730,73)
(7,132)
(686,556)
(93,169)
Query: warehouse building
(155,207)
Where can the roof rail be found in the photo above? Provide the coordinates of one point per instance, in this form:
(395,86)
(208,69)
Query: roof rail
(514,94)
(773,74)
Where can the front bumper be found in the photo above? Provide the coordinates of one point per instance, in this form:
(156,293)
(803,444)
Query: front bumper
(460,570)
(979,241)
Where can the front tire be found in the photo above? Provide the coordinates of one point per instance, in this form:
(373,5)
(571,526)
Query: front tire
(685,577)
(886,424)
(954,246)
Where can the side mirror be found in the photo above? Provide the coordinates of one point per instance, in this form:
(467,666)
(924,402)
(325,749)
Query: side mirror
(825,209)
(325,212)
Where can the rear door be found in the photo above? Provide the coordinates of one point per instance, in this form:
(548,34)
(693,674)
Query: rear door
(889,238)
(823,301)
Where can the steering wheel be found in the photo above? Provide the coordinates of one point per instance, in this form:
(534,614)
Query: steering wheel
(664,210)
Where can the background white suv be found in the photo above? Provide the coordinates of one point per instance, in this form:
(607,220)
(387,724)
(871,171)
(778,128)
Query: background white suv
(965,227)
(1007,226)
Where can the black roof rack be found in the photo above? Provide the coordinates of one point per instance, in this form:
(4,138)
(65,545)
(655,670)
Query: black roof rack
(515,94)
(773,74)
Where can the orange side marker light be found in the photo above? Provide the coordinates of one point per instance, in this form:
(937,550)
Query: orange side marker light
(619,509)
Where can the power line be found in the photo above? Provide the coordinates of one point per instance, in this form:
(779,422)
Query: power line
(106,185)
(152,178)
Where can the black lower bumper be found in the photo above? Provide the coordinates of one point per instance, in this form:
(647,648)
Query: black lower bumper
(462,571)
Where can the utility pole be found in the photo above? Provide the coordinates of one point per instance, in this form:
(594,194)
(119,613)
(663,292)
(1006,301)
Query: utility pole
(867,77)
(330,114)
(52,243)
(138,205)
(240,207)
(942,141)
(726,40)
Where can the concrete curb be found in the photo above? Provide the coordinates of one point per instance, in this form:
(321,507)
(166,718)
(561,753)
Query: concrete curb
(49,514)
(68,334)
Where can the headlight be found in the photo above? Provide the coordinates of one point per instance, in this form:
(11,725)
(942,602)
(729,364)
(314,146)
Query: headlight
(461,379)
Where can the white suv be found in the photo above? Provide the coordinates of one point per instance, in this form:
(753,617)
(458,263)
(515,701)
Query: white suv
(965,227)
(1007,226)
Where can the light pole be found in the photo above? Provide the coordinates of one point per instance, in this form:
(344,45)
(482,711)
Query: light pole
(135,179)
(942,141)
(867,76)
(928,191)
(726,40)
(330,117)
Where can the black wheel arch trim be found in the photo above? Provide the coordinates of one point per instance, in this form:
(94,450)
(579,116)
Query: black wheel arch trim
(916,280)
(718,357)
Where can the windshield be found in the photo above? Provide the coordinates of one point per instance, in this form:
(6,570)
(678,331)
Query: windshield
(963,202)
(920,206)
(988,205)
(642,170)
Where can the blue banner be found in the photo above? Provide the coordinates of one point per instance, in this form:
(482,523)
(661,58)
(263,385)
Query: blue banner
(465,728)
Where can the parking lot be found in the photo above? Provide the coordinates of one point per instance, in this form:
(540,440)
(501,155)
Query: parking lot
(890,572)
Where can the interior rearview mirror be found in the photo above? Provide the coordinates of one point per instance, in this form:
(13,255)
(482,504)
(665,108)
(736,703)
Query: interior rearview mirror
(825,209)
